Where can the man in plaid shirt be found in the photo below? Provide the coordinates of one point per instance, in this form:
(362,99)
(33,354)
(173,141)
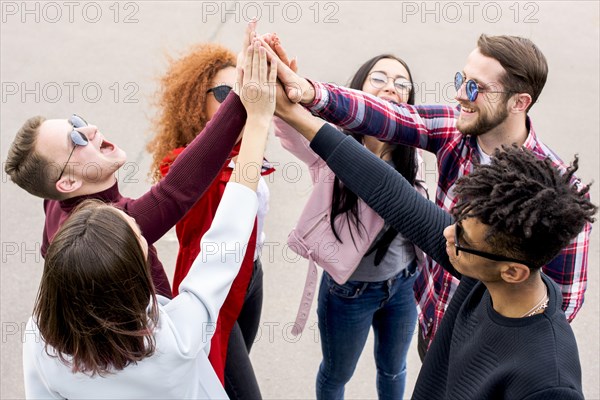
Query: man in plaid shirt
(501,80)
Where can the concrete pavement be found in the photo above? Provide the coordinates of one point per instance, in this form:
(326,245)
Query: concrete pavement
(102,60)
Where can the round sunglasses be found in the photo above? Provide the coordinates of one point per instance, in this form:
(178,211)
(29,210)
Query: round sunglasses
(77,138)
(472,88)
(220,92)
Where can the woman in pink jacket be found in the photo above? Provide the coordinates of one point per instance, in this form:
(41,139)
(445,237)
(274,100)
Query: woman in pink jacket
(369,268)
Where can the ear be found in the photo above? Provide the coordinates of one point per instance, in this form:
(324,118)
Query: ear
(521,102)
(68,185)
(515,272)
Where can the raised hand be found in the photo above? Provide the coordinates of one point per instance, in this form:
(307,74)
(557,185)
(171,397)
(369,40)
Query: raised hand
(258,83)
(297,88)
(274,43)
(283,106)
(257,93)
(282,54)
(249,36)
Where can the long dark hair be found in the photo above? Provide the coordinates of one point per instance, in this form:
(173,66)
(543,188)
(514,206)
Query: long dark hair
(92,306)
(345,201)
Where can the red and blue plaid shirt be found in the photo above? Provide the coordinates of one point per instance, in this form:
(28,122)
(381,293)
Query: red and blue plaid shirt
(433,128)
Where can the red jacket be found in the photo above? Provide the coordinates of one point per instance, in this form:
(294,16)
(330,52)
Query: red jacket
(190,230)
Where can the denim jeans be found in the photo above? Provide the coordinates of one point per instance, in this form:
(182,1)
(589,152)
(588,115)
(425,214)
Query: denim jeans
(347,312)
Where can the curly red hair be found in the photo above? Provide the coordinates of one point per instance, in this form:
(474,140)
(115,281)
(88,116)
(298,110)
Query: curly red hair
(182,99)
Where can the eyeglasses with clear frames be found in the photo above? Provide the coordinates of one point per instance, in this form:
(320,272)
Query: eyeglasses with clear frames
(402,86)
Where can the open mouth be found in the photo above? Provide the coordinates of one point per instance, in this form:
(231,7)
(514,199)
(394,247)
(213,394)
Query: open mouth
(106,147)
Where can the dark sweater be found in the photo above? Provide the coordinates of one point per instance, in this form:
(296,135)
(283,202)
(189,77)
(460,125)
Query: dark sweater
(159,209)
(477,353)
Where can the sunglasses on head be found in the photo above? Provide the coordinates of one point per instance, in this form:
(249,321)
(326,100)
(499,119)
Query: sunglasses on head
(458,231)
(220,92)
(77,138)
(471,87)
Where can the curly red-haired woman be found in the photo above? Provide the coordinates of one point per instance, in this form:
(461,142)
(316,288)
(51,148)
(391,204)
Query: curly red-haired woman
(192,91)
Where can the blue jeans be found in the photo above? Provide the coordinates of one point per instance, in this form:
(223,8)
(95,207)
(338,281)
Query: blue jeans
(347,312)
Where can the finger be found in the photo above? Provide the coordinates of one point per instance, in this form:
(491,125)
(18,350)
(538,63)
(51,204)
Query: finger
(281,53)
(286,75)
(249,34)
(263,65)
(284,72)
(248,65)
(294,93)
(267,37)
(273,74)
(239,68)
(255,61)
(252,29)
(246,39)
(294,64)
(268,47)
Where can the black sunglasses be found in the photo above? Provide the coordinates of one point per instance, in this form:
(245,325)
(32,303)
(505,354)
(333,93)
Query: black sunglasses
(220,92)
(472,87)
(78,138)
(458,230)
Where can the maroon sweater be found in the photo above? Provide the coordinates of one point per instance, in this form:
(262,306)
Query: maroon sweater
(159,209)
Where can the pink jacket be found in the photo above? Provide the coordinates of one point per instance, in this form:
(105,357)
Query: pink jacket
(313,238)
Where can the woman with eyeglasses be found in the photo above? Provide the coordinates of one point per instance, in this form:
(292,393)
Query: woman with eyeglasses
(98,329)
(192,91)
(378,293)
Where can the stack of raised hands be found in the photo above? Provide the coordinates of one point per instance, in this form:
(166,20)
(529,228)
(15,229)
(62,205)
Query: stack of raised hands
(295,87)
(255,85)
(289,88)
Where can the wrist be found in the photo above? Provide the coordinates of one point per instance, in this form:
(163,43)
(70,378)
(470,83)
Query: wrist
(258,127)
(305,123)
(259,121)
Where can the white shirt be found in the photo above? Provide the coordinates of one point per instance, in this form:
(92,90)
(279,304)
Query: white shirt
(179,368)
(484,159)
(263,194)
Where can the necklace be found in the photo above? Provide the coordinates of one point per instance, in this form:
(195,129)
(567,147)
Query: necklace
(540,305)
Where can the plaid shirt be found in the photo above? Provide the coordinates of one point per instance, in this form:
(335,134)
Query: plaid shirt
(433,128)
